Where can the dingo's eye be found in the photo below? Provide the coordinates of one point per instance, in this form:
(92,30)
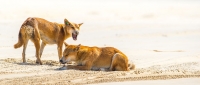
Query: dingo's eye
(66,55)
(72,27)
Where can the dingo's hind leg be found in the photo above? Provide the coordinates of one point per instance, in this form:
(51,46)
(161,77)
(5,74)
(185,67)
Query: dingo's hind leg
(36,42)
(24,51)
(42,48)
(119,63)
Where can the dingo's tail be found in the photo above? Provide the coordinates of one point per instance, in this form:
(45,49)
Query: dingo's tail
(20,41)
(131,66)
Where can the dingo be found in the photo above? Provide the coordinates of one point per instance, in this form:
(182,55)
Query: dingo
(49,32)
(95,58)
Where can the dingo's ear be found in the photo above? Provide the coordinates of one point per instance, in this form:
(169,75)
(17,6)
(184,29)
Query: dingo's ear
(65,44)
(66,22)
(78,46)
(80,24)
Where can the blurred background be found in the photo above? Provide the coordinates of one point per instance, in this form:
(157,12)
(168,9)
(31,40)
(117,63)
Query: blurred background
(139,28)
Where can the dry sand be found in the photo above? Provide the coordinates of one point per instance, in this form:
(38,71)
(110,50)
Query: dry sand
(161,37)
(14,72)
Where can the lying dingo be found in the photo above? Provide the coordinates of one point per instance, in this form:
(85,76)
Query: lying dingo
(95,58)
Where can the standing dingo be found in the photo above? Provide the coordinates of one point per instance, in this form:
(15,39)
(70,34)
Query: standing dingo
(50,33)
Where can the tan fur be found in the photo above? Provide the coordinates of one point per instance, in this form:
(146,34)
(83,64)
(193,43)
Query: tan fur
(95,58)
(37,29)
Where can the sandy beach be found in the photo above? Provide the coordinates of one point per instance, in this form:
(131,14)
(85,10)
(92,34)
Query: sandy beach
(160,37)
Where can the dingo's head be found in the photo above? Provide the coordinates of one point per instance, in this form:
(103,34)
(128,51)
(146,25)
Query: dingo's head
(72,28)
(70,53)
